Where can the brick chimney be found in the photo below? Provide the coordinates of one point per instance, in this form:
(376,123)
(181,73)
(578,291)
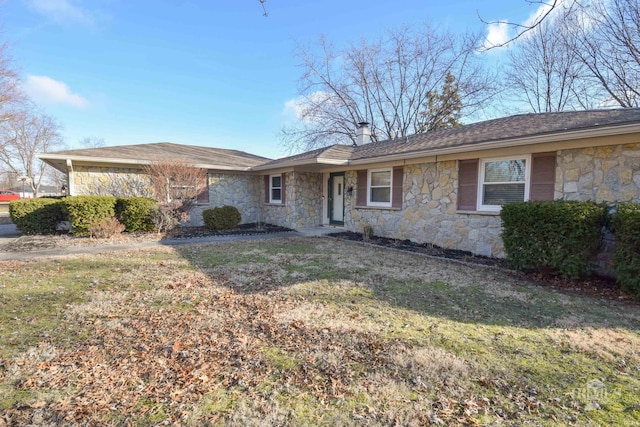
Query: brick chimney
(363,133)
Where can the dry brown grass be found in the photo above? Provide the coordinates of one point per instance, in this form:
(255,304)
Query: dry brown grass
(304,332)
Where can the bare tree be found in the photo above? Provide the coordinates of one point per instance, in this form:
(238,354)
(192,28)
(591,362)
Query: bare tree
(387,83)
(545,72)
(546,10)
(11,98)
(54,177)
(608,35)
(92,142)
(175,180)
(25,135)
(8,178)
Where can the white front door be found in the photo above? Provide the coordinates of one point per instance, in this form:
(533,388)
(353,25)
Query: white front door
(336,202)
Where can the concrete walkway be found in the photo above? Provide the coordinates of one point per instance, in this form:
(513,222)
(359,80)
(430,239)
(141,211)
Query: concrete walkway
(8,233)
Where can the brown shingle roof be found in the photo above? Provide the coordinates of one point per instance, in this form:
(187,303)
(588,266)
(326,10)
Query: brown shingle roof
(333,153)
(519,126)
(169,151)
(503,129)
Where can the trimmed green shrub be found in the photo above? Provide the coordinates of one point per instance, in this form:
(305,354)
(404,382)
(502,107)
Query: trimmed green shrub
(85,211)
(626,255)
(135,213)
(558,237)
(223,218)
(36,216)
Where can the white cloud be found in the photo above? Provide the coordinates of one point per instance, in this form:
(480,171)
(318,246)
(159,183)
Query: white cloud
(62,11)
(498,33)
(45,90)
(306,108)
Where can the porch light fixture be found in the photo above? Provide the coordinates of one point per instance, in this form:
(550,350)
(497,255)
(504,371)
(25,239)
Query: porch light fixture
(350,191)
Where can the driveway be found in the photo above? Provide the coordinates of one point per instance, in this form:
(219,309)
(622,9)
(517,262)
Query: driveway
(8,232)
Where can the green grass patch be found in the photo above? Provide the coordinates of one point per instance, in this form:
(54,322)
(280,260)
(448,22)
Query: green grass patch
(308,332)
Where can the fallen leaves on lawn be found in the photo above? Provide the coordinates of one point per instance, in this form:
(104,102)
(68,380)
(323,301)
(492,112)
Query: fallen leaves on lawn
(169,347)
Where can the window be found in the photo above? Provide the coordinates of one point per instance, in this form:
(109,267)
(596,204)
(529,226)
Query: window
(275,188)
(503,181)
(379,188)
(487,184)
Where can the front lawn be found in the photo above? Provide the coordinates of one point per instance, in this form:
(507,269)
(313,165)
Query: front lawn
(306,332)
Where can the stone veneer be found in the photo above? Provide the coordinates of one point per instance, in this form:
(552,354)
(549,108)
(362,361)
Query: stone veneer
(241,191)
(118,181)
(428,213)
(303,202)
(603,174)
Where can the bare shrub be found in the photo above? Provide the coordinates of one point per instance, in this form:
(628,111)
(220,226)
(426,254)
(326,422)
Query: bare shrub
(167,216)
(175,180)
(107,228)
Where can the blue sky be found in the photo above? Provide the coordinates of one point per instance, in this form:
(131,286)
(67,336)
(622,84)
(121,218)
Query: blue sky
(212,73)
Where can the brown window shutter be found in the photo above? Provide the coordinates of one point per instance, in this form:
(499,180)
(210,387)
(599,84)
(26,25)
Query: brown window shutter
(543,176)
(468,185)
(361,190)
(267,182)
(203,196)
(283,192)
(396,189)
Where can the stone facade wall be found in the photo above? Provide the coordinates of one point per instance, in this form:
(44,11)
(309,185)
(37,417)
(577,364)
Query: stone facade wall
(428,213)
(603,174)
(303,202)
(109,181)
(241,191)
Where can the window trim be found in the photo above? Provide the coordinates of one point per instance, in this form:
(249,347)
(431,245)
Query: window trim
(481,168)
(271,188)
(380,204)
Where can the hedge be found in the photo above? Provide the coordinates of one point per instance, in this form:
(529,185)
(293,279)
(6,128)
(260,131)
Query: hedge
(626,256)
(558,237)
(223,218)
(85,211)
(135,213)
(36,216)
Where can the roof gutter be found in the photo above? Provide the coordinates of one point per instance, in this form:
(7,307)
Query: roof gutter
(293,163)
(507,143)
(113,160)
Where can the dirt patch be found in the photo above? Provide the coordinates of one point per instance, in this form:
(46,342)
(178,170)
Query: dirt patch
(594,285)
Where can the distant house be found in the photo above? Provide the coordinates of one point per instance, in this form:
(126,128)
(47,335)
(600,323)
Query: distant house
(444,187)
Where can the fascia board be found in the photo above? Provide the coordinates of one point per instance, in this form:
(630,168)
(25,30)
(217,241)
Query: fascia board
(513,142)
(114,160)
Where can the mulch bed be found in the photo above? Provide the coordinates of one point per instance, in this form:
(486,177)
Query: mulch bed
(242,230)
(593,286)
(424,248)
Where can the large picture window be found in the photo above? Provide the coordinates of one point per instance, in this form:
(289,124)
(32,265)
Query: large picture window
(275,189)
(379,187)
(503,181)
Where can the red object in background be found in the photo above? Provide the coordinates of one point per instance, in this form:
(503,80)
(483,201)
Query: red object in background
(8,196)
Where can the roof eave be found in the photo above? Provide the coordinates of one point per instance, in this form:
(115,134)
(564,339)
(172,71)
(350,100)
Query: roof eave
(511,142)
(307,162)
(133,162)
